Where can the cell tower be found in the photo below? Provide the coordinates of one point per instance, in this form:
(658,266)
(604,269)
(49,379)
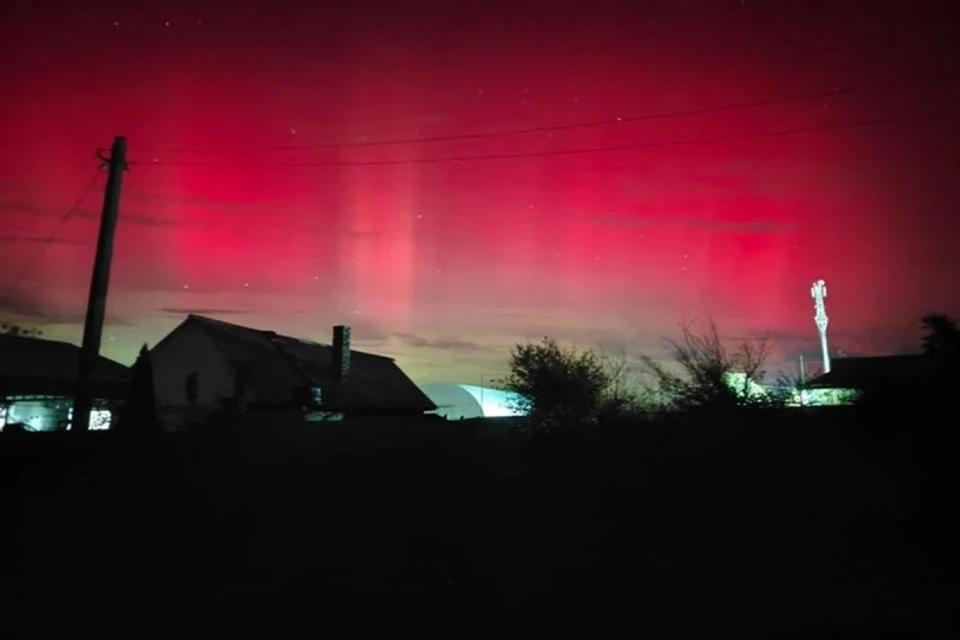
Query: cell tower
(818,292)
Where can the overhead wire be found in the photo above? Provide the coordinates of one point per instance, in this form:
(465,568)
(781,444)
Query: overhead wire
(47,240)
(765,102)
(878,122)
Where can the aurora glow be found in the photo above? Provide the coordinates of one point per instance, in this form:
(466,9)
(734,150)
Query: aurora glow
(446,265)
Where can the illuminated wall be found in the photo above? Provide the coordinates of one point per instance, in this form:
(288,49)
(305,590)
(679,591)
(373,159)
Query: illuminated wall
(798,398)
(38,413)
(48,413)
(825,397)
(456,401)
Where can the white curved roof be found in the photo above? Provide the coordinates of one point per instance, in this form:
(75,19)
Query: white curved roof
(456,401)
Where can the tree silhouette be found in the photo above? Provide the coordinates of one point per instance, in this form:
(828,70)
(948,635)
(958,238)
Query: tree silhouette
(789,389)
(708,374)
(624,393)
(13,329)
(942,344)
(942,337)
(558,386)
(140,411)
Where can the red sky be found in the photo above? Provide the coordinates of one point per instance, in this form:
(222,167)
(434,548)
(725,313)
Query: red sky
(446,264)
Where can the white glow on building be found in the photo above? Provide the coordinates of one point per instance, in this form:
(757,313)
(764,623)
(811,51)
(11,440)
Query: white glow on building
(99,419)
(37,413)
(456,401)
(495,403)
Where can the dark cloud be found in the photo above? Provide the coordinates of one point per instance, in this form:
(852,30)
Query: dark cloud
(20,304)
(788,345)
(368,332)
(23,208)
(10,238)
(135,193)
(534,327)
(719,182)
(524,316)
(200,311)
(290,218)
(34,308)
(127,217)
(741,227)
(641,221)
(362,330)
(623,222)
(199,292)
(445,344)
(372,234)
(776,336)
(144,219)
(20,208)
(866,341)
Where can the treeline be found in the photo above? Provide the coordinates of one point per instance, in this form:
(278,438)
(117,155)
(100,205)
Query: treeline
(564,387)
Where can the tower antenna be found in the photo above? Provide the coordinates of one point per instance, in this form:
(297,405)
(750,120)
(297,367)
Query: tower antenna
(818,292)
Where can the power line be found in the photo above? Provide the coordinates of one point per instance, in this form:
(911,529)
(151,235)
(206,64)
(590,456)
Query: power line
(819,95)
(48,239)
(927,119)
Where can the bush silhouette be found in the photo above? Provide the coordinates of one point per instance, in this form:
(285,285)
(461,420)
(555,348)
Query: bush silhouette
(708,374)
(558,387)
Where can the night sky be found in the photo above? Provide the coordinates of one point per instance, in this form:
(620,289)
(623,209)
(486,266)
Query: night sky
(262,192)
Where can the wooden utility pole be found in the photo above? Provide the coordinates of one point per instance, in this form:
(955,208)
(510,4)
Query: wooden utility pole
(99,283)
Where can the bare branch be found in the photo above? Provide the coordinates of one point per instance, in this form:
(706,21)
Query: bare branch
(710,375)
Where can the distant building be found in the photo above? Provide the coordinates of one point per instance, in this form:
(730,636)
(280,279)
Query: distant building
(865,373)
(464,401)
(850,376)
(205,364)
(37,382)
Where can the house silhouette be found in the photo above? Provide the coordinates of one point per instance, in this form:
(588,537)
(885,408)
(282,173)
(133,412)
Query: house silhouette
(204,364)
(38,378)
(863,373)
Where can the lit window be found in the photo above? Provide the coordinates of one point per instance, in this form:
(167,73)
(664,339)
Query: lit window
(99,419)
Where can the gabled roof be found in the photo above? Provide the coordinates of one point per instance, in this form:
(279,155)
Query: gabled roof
(860,373)
(374,382)
(36,366)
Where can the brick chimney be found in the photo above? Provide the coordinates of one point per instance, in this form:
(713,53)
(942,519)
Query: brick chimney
(341,352)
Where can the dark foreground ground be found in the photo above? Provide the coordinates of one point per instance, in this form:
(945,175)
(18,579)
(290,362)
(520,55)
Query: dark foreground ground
(782,526)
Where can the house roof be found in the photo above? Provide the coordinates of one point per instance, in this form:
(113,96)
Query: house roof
(859,373)
(373,381)
(36,366)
